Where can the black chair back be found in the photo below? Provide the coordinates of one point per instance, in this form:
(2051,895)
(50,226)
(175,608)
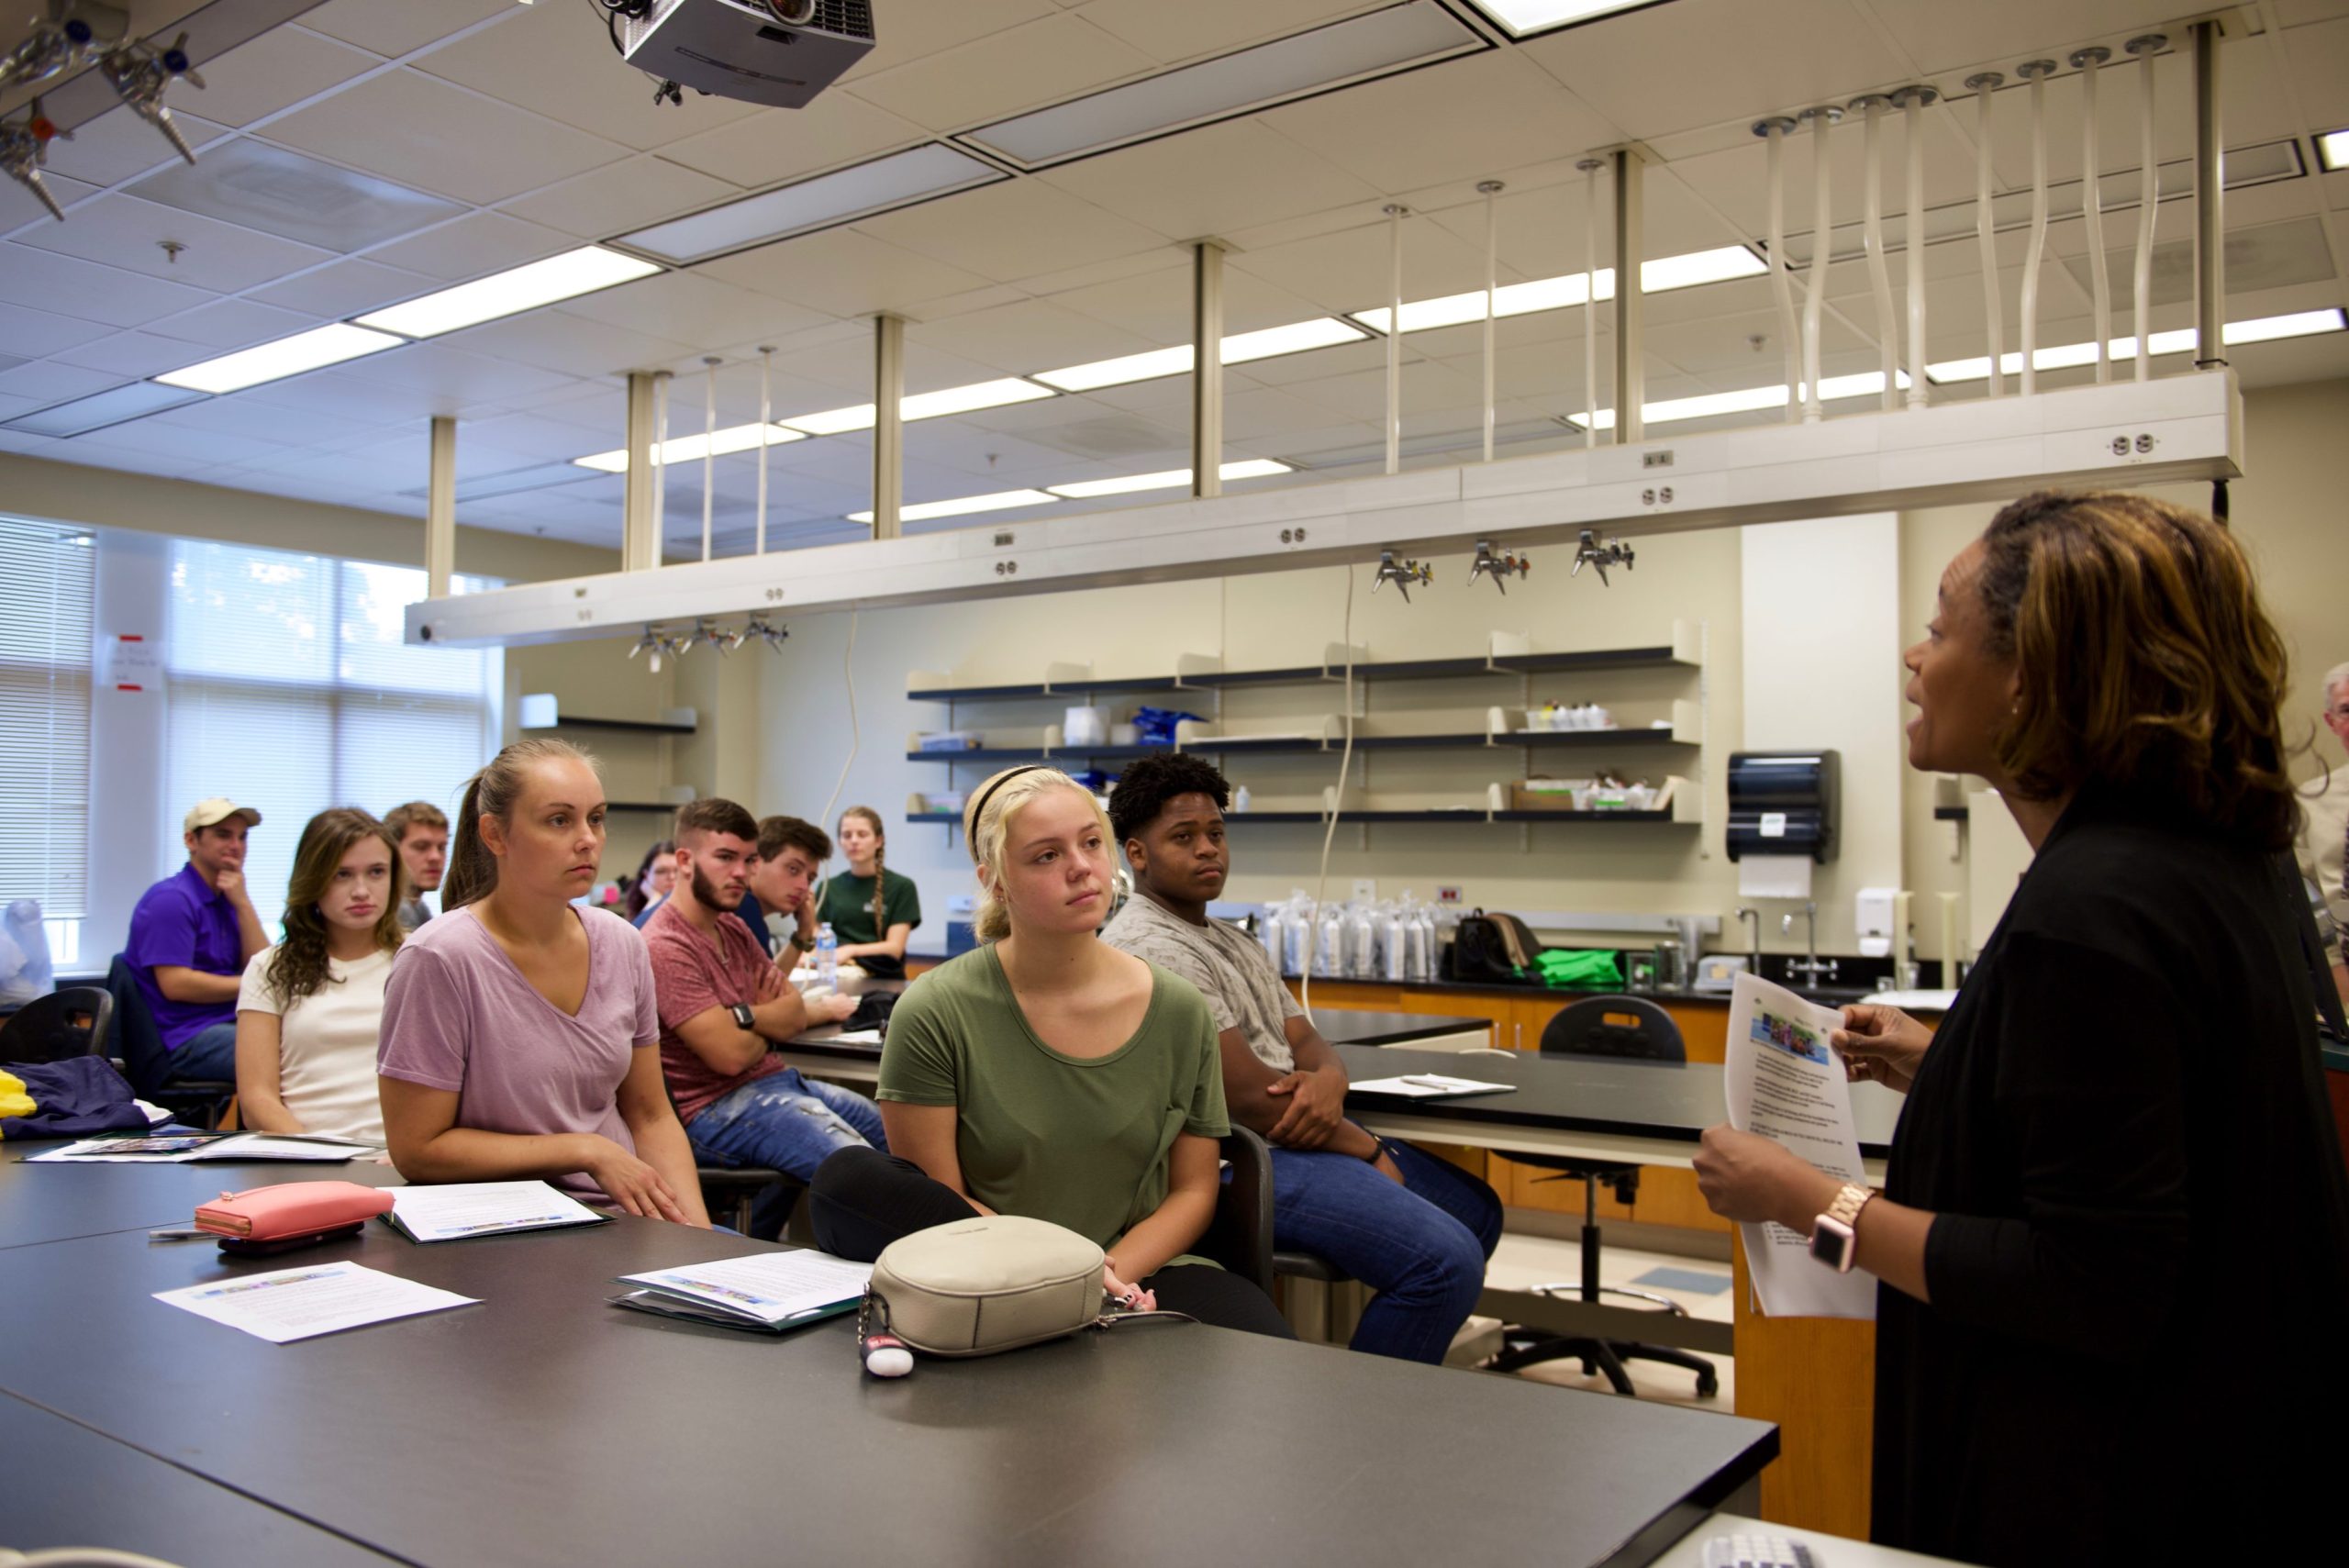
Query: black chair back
(136,1036)
(1619,1026)
(72,1022)
(1241,1235)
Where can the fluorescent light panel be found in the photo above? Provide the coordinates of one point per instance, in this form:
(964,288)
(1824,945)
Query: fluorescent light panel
(288,356)
(968,399)
(1661,276)
(1751,400)
(1273,73)
(1526,17)
(2179,341)
(1000,501)
(898,180)
(688,448)
(1169,479)
(2332,151)
(527,287)
(98,410)
(1239,349)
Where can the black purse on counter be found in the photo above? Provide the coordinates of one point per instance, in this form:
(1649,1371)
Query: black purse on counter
(1497,946)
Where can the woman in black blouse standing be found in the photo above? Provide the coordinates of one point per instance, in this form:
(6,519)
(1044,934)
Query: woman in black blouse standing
(2113,1248)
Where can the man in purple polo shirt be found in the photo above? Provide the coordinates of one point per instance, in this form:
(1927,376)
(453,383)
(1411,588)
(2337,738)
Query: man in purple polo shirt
(191,937)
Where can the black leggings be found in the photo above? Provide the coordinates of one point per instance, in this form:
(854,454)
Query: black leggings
(862,1200)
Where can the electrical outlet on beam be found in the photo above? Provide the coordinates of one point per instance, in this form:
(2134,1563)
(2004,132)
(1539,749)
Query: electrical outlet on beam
(1447,895)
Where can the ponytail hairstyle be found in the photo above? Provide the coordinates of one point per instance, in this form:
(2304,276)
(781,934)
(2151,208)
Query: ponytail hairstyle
(880,864)
(987,829)
(298,966)
(472,869)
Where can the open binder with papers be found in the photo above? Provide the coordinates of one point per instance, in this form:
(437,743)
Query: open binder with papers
(466,1209)
(770,1293)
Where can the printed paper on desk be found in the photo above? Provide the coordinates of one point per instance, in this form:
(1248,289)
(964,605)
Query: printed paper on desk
(1428,1086)
(1787,1084)
(462,1209)
(299,1304)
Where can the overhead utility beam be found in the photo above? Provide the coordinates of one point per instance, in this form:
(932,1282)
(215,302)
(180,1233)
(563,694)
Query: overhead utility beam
(2174,429)
(1630,245)
(1207,368)
(888,425)
(640,523)
(2209,204)
(440,509)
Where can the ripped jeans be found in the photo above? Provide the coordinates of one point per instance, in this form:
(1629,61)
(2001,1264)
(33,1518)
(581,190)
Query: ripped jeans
(787,1123)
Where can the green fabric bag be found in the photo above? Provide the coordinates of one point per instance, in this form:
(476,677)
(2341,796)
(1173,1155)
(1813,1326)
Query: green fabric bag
(1580,968)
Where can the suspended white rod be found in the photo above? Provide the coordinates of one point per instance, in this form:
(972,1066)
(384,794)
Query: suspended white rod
(1888,330)
(659,463)
(766,426)
(2149,196)
(1983,87)
(2036,73)
(1822,244)
(2086,62)
(709,446)
(1394,211)
(1774,131)
(1491,188)
(1590,168)
(1912,102)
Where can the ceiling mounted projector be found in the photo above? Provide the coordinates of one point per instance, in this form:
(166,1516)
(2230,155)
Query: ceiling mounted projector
(777,52)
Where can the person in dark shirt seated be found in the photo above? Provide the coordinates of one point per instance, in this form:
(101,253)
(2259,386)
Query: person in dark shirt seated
(2115,1172)
(191,937)
(783,882)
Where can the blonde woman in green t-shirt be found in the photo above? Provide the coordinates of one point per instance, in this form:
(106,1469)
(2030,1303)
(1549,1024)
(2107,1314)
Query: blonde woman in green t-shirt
(1050,1075)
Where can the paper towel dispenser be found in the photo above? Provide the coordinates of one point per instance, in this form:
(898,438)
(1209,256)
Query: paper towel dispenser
(1784,803)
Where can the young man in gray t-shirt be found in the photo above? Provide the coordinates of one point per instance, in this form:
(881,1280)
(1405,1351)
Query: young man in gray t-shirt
(1415,1229)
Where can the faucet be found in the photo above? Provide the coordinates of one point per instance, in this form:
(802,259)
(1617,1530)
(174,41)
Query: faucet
(1810,966)
(1752,940)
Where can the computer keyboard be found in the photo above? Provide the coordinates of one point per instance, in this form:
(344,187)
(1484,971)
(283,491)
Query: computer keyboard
(1757,1551)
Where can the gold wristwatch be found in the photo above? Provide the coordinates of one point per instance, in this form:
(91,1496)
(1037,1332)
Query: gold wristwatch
(1834,1235)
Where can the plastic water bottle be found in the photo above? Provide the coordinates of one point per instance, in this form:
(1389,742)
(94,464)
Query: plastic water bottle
(828,957)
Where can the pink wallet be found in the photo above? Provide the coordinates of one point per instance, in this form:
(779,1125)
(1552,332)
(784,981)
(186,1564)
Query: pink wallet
(292,1209)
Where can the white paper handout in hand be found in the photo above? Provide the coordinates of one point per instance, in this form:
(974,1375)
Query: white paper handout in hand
(1787,1084)
(767,1287)
(322,1299)
(484,1208)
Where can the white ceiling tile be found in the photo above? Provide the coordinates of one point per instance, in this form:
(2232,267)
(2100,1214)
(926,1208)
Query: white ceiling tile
(185,448)
(559,62)
(306,429)
(1199,28)
(257,184)
(556,340)
(1158,306)
(1214,180)
(1012,230)
(11,404)
(231,323)
(842,272)
(1351,271)
(701,312)
(621,197)
(452,374)
(51,382)
(117,448)
(347,398)
(1004,74)
(450,141)
(34,334)
(1028,335)
(395,31)
(21,209)
(345,288)
(1701,62)
(282,66)
(137,354)
(911,30)
(474,245)
(1941,38)
(777,145)
(47,281)
(123,231)
(2319,59)
(1519,113)
(118,145)
(963,302)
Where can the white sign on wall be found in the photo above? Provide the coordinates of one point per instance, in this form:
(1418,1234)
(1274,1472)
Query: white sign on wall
(130,662)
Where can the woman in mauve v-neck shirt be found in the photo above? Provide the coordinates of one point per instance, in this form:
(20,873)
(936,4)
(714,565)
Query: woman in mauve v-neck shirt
(519,1033)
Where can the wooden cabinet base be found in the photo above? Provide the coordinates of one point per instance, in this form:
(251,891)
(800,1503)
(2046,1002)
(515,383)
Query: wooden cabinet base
(1816,1378)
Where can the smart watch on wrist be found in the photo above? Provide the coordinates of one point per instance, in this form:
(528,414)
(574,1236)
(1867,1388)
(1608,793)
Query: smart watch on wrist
(1834,1235)
(743,1016)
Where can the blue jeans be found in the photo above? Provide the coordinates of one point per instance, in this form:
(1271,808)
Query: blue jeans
(210,1052)
(1421,1246)
(786,1122)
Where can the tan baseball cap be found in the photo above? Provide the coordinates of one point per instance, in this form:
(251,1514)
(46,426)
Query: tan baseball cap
(218,809)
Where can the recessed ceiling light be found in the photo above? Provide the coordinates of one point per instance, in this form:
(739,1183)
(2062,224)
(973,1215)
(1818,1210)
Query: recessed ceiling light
(922,405)
(2178,341)
(100,409)
(2332,151)
(1660,275)
(1749,400)
(1168,479)
(308,350)
(1000,501)
(1238,350)
(1691,268)
(1526,17)
(527,287)
(898,180)
(689,449)
(1349,51)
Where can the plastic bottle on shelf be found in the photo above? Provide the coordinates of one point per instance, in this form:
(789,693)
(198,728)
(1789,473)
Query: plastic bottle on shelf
(1298,931)
(828,957)
(1362,942)
(1392,943)
(1239,799)
(1273,931)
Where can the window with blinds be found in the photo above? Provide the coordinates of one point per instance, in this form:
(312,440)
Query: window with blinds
(45,715)
(291,691)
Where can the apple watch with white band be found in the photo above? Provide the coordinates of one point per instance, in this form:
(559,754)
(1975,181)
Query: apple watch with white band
(1834,1235)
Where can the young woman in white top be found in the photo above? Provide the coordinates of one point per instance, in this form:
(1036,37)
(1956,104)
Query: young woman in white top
(312,1006)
